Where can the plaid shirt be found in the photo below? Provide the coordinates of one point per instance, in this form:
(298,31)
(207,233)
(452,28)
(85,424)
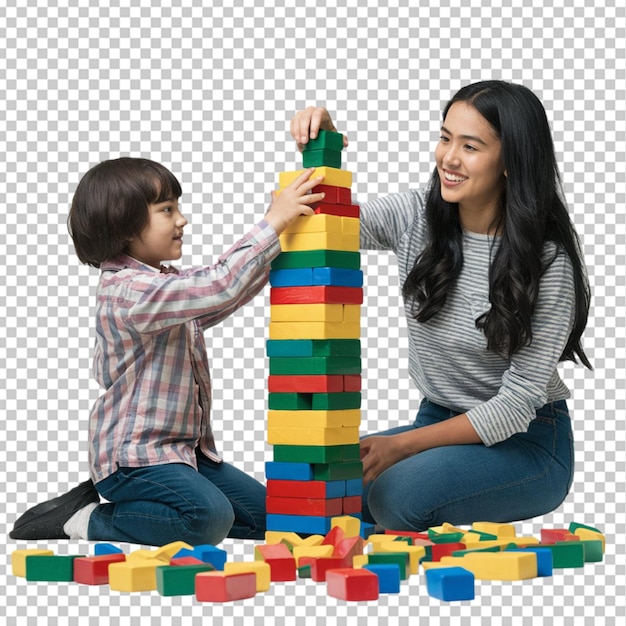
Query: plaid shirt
(150,355)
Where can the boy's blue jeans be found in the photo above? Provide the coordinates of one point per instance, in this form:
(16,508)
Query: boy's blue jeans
(529,474)
(164,503)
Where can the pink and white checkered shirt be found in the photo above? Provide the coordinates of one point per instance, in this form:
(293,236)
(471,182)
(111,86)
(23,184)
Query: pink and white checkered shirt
(150,355)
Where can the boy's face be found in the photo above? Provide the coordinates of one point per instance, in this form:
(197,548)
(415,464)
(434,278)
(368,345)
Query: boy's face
(162,238)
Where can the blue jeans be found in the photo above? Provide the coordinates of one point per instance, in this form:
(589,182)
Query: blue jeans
(164,503)
(527,475)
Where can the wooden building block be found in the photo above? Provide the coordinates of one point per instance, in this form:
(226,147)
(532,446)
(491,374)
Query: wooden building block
(94,570)
(352,584)
(350,525)
(450,583)
(50,568)
(415,553)
(338,471)
(106,548)
(325,140)
(312,552)
(317,455)
(544,559)
(319,223)
(334,194)
(316,294)
(205,553)
(320,276)
(261,569)
(279,558)
(567,554)
(317,258)
(590,535)
(347,548)
(351,504)
(179,580)
(222,587)
(134,575)
(312,436)
(314,384)
(319,158)
(313,419)
(304,506)
(296,242)
(332,176)
(401,558)
(341,210)
(314,401)
(314,330)
(315,365)
(495,528)
(313,347)
(496,565)
(388,576)
(320,566)
(18,559)
(285,470)
(552,535)
(304,524)
(306,488)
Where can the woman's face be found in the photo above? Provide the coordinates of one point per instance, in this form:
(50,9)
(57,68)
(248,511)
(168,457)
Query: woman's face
(469,161)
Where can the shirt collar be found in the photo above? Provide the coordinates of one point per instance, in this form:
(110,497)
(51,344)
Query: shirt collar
(125,261)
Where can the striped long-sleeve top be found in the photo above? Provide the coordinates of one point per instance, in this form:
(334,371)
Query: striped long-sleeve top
(448,357)
(151,358)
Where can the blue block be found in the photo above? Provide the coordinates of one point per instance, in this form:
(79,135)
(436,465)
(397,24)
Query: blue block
(333,276)
(450,583)
(388,576)
(279,470)
(305,524)
(354,487)
(207,554)
(367,529)
(544,559)
(106,548)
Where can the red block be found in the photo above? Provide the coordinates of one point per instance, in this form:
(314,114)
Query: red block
(352,382)
(445,549)
(304,506)
(352,584)
(307,384)
(343,210)
(186,560)
(335,535)
(411,534)
(94,570)
(296,488)
(334,195)
(352,504)
(348,548)
(321,565)
(317,294)
(279,558)
(220,587)
(552,535)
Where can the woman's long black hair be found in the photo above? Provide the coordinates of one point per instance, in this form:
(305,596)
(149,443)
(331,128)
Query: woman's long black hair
(532,213)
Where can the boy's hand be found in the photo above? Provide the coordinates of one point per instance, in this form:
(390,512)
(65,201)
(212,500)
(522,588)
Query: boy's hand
(306,125)
(293,201)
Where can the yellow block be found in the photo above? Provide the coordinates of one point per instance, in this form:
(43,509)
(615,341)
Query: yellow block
(496,565)
(296,242)
(167,552)
(309,312)
(332,176)
(132,576)
(415,552)
(359,561)
(324,223)
(351,226)
(273,537)
(312,436)
(18,559)
(351,526)
(495,528)
(313,540)
(586,534)
(313,419)
(376,539)
(312,551)
(314,330)
(260,568)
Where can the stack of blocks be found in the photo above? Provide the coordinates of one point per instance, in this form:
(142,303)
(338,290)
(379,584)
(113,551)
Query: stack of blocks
(314,353)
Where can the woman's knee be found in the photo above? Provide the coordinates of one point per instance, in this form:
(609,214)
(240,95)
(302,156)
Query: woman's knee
(207,523)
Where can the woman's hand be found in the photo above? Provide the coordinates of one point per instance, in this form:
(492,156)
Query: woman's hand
(379,453)
(306,125)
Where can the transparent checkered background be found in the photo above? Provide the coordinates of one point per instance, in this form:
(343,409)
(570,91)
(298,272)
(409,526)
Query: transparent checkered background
(208,88)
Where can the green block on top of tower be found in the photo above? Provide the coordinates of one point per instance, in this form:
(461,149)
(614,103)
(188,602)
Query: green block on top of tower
(317,158)
(325,140)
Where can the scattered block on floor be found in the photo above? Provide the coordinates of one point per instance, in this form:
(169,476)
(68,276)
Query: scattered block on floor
(134,575)
(552,535)
(206,553)
(18,559)
(400,558)
(388,576)
(415,553)
(450,583)
(352,584)
(320,566)
(567,554)
(279,558)
(347,548)
(94,570)
(54,568)
(179,580)
(544,559)
(350,525)
(589,534)
(312,552)
(106,548)
(495,528)
(496,565)
(261,569)
(222,587)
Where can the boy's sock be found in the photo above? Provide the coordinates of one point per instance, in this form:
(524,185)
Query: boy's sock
(78,525)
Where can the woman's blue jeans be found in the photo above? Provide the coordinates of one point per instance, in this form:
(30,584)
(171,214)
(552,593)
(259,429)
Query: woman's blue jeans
(164,503)
(527,475)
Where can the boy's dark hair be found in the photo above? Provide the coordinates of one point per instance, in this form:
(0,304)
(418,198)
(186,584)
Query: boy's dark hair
(110,205)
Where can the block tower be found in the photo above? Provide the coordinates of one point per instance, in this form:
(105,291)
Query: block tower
(314,352)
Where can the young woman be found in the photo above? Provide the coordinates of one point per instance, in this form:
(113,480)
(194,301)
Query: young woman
(495,295)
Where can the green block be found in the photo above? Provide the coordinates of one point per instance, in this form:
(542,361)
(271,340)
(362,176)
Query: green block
(483,536)
(472,550)
(304,571)
(338,471)
(179,580)
(312,347)
(567,554)
(308,454)
(406,540)
(316,365)
(314,401)
(592,549)
(573,526)
(344,259)
(50,568)
(320,158)
(400,558)
(352,452)
(436,537)
(325,140)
